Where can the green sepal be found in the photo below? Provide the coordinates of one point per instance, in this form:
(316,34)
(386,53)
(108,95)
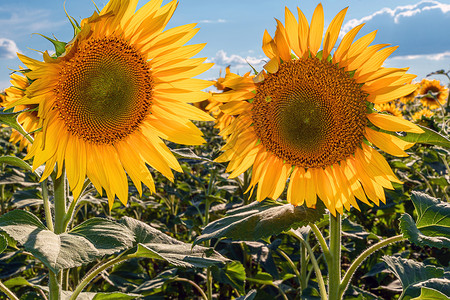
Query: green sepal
(60,47)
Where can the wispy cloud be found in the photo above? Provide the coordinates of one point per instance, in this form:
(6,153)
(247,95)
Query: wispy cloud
(8,49)
(416,28)
(213,21)
(398,12)
(435,56)
(236,61)
(19,21)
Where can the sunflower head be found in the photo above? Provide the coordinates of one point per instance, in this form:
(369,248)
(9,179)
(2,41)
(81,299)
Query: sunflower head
(390,108)
(432,93)
(308,116)
(109,97)
(423,114)
(29,119)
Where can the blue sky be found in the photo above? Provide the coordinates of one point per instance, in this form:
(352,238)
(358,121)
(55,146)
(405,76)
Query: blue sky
(233,31)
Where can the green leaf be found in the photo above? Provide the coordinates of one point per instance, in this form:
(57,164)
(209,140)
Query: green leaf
(101,296)
(107,236)
(188,153)
(3,243)
(153,243)
(430,294)
(413,274)
(10,118)
(17,281)
(85,243)
(250,295)
(60,47)
(260,220)
(261,278)
(15,161)
(432,227)
(232,274)
(430,137)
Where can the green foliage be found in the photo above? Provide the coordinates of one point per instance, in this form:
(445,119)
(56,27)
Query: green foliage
(233,274)
(432,227)
(85,243)
(260,220)
(430,294)
(415,275)
(429,137)
(15,161)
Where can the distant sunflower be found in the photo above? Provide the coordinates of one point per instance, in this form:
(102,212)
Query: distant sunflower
(309,116)
(411,96)
(433,94)
(223,119)
(389,107)
(119,87)
(424,113)
(29,120)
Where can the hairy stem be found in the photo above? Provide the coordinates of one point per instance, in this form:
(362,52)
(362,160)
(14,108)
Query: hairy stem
(199,289)
(8,292)
(334,265)
(322,289)
(358,261)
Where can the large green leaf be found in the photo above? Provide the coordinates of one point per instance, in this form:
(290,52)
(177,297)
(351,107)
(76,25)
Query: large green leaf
(85,243)
(430,137)
(188,154)
(260,220)
(432,227)
(15,161)
(414,275)
(153,243)
(430,294)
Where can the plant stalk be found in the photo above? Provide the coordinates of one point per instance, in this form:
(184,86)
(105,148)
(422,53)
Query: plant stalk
(54,286)
(202,293)
(47,208)
(366,253)
(322,289)
(334,265)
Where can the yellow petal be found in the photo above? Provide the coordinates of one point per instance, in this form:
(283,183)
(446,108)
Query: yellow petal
(332,33)
(292,32)
(345,44)
(303,31)
(393,123)
(316,30)
(388,143)
(389,93)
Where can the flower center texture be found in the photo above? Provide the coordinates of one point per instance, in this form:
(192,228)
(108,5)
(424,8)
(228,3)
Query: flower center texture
(104,91)
(310,113)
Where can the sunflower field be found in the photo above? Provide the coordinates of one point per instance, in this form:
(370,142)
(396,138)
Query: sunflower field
(124,176)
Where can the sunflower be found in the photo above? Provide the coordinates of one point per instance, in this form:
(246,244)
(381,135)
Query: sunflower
(410,97)
(223,120)
(308,116)
(118,88)
(389,107)
(424,113)
(433,94)
(29,119)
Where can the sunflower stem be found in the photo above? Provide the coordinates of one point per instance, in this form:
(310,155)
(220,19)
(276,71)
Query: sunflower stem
(59,199)
(334,264)
(47,208)
(303,268)
(59,202)
(366,253)
(322,241)
(322,289)
(54,287)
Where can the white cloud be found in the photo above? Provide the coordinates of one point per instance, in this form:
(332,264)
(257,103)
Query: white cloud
(417,28)
(213,21)
(435,57)
(8,49)
(236,61)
